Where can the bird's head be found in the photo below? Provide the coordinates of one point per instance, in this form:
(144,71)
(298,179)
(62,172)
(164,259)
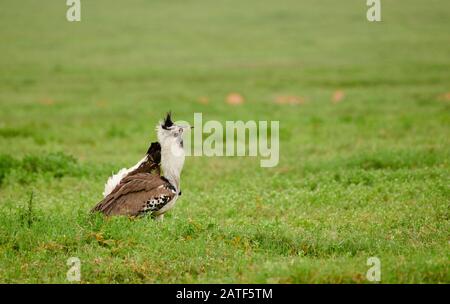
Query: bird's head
(169,132)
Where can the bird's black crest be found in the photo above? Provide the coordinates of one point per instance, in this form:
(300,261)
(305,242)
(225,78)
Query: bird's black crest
(167,121)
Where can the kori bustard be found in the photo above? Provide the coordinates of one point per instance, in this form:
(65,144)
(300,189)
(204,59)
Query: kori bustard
(152,186)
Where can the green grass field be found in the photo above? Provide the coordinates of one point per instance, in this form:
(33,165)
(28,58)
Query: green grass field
(365,175)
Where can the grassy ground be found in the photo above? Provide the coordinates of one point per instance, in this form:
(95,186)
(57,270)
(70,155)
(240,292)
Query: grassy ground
(366,175)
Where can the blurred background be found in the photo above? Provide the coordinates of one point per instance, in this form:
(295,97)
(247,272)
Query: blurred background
(103,82)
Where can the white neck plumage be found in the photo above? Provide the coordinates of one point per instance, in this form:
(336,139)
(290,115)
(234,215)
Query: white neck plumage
(172,161)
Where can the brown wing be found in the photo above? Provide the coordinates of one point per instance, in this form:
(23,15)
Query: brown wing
(137,194)
(152,165)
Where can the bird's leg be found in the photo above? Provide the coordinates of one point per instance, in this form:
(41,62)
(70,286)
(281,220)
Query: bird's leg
(159,218)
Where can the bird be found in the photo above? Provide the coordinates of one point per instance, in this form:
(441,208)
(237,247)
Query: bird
(152,186)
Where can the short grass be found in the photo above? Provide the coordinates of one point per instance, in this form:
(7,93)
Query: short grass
(365,176)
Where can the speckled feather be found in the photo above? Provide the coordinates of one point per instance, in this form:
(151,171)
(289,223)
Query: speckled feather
(138,194)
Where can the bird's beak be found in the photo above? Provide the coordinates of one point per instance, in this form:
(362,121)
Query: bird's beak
(187,127)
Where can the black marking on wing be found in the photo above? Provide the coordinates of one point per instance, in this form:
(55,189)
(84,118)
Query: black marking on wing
(156,203)
(154,151)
